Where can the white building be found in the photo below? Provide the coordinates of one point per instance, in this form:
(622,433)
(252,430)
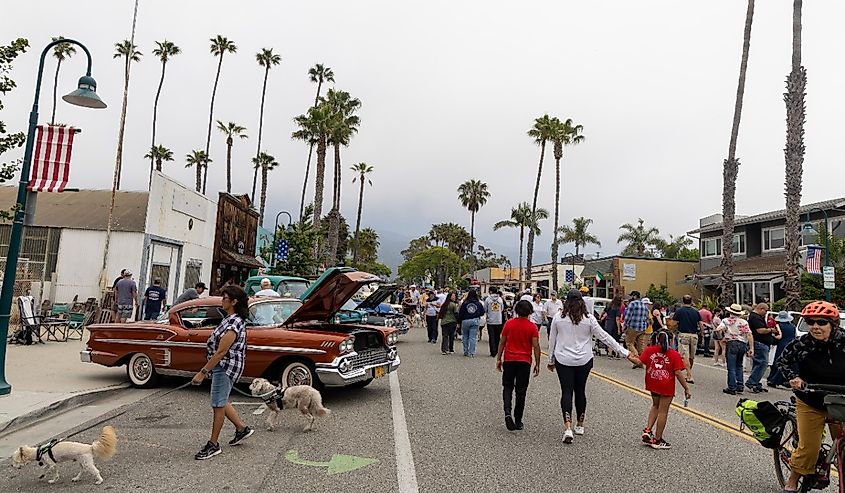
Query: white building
(166,234)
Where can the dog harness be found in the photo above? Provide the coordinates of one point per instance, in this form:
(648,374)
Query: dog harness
(46,449)
(274,397)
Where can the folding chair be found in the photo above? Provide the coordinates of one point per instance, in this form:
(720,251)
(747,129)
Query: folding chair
(59,310)
(37,325)
(76,324)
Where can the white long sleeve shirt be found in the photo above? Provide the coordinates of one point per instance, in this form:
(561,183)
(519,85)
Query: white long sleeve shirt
(572,345)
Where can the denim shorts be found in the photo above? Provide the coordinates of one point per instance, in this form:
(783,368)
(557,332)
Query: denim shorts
(221,386)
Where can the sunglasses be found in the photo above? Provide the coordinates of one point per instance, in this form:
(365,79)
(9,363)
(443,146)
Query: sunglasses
(817,321)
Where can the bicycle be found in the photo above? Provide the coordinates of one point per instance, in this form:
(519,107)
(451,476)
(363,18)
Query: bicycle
(828,454)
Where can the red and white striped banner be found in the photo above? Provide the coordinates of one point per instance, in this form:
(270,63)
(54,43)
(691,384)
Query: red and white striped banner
(51,158)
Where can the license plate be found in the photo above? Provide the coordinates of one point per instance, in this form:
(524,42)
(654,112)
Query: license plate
(379,371)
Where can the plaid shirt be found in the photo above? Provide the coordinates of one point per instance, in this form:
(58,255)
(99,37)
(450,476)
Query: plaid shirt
(233,362)
(636,315)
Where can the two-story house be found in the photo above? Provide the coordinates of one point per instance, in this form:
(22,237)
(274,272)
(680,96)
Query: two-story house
(758,249)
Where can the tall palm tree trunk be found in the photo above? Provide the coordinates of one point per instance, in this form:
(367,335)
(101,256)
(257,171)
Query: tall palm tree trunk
(521,244)
(260,128)
(554,234)
(334,215)
(320,181)
(358,221)
(229,143)
(158,164)
(55,89)
(308,163)
(731,170)
(534,212)
(263,193)
(155,116)
(199,177)
(472,232)
(210,119)
(122,129)
(796,84)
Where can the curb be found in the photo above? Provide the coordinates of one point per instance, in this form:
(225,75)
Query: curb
(76,400)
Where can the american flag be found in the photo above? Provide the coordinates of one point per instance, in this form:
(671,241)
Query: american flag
(282,250)
(51,158)
(814,260)
(570,276)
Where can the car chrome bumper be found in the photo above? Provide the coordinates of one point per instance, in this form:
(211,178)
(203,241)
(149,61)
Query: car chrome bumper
(85,356)
(332,376)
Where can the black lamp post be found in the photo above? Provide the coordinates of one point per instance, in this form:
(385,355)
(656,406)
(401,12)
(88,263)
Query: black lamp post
(275,233)
(86,96)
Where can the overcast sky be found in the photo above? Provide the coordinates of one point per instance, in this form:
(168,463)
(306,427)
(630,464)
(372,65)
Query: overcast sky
(449,89)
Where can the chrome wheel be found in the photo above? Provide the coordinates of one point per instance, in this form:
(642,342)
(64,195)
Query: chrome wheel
(297,373)
(141,371)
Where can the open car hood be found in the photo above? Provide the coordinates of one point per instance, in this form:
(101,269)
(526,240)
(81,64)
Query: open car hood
(372,301)
(327,298)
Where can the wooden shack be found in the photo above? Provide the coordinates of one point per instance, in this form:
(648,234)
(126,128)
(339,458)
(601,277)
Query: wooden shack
(234,241)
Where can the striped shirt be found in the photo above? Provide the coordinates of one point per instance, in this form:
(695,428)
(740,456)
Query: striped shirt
(233,362)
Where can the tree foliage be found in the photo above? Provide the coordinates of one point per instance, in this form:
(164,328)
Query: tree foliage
(9,141)
(660,295)
(437,265)
(301,240)
(638,239)
(677,248)
(578,234)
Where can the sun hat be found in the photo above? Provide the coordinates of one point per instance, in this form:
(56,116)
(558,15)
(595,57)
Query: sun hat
(735,309)
(647,301)
(783,316)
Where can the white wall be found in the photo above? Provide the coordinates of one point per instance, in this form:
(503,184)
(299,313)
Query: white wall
(80,261)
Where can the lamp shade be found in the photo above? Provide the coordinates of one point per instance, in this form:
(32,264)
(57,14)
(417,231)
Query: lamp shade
(808,229)
(86,94)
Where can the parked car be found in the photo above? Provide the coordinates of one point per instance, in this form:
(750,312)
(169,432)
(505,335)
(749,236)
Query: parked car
(286,286)
(381,313)
(291,341)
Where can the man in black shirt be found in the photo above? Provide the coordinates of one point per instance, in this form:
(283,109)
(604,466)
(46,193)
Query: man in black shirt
(689,327)
(764,339)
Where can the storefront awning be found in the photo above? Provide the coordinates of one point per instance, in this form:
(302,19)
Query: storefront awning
(230,257)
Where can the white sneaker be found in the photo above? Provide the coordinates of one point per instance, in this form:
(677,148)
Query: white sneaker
(568,436)
(579,430)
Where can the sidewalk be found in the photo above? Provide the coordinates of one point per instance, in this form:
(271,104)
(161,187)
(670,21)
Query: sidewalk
(50,375)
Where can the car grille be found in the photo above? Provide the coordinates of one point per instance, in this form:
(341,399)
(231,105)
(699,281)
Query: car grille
(369,357)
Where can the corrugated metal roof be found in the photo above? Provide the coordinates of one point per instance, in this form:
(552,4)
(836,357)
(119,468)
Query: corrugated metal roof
(771,216)
(86,209)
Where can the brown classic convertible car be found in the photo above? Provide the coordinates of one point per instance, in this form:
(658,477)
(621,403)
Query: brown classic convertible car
(290,341)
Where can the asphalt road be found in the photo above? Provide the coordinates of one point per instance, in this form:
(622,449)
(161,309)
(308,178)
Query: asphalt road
(454,439)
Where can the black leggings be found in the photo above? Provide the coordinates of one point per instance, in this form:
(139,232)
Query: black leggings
(573,379)
(515,376)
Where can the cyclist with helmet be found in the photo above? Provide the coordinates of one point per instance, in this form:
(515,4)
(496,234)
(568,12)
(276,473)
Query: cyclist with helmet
(817,357)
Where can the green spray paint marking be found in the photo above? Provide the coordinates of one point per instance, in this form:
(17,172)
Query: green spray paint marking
(337,465)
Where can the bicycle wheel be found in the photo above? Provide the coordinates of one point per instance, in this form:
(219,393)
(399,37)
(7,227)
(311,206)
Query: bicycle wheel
(840,463)
(782,454)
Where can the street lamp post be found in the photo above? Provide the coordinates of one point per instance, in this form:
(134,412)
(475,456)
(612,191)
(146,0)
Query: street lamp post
(85,95)
(275,232)
(808,229)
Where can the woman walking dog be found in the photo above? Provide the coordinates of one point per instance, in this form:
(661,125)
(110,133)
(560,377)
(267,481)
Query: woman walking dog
(226,352)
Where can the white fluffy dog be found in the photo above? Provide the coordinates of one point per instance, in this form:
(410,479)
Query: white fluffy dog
(303,397)
(83,453)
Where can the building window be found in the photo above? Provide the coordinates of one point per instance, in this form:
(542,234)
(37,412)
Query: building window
(739,244)
(712,247)
(193,272)
(773,239)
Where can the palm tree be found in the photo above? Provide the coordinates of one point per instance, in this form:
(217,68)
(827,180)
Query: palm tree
(731,170)
(163,50)
(796,84)
(473,194)
(562,134)
(316,125)
(128,51)
(267,163)
(231,130)
(522,218)
(319,74)
(361,171)
(344,126)
(578,234)
(199,160)
(267,59)
(158,154)
(220,45)
(61,52)
(638,238)
(541,133)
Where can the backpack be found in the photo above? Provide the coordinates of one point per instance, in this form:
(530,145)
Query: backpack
(763,419)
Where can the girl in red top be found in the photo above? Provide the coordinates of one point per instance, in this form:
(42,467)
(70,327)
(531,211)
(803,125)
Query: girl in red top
(520,341)
(663,365)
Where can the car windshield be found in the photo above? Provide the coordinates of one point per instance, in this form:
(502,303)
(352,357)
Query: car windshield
(349,305)
(272,312)
(292,288)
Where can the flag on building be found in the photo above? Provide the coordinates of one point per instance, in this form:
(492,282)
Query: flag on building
(282,250)
(814,260)
(51,158)
(570,276)
(599,277)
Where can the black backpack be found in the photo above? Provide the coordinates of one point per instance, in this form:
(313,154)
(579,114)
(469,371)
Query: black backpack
(764,419)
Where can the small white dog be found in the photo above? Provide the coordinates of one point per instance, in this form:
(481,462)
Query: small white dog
(303,397)
(83,453)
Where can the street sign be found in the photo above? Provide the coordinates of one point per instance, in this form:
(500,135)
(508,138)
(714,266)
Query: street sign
(829,277)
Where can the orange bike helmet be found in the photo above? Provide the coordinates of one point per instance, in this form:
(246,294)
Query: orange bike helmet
(821,309)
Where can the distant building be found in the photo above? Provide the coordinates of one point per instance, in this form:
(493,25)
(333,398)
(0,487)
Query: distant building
(163,234)
(235,241)
(618,275)
(758,249)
